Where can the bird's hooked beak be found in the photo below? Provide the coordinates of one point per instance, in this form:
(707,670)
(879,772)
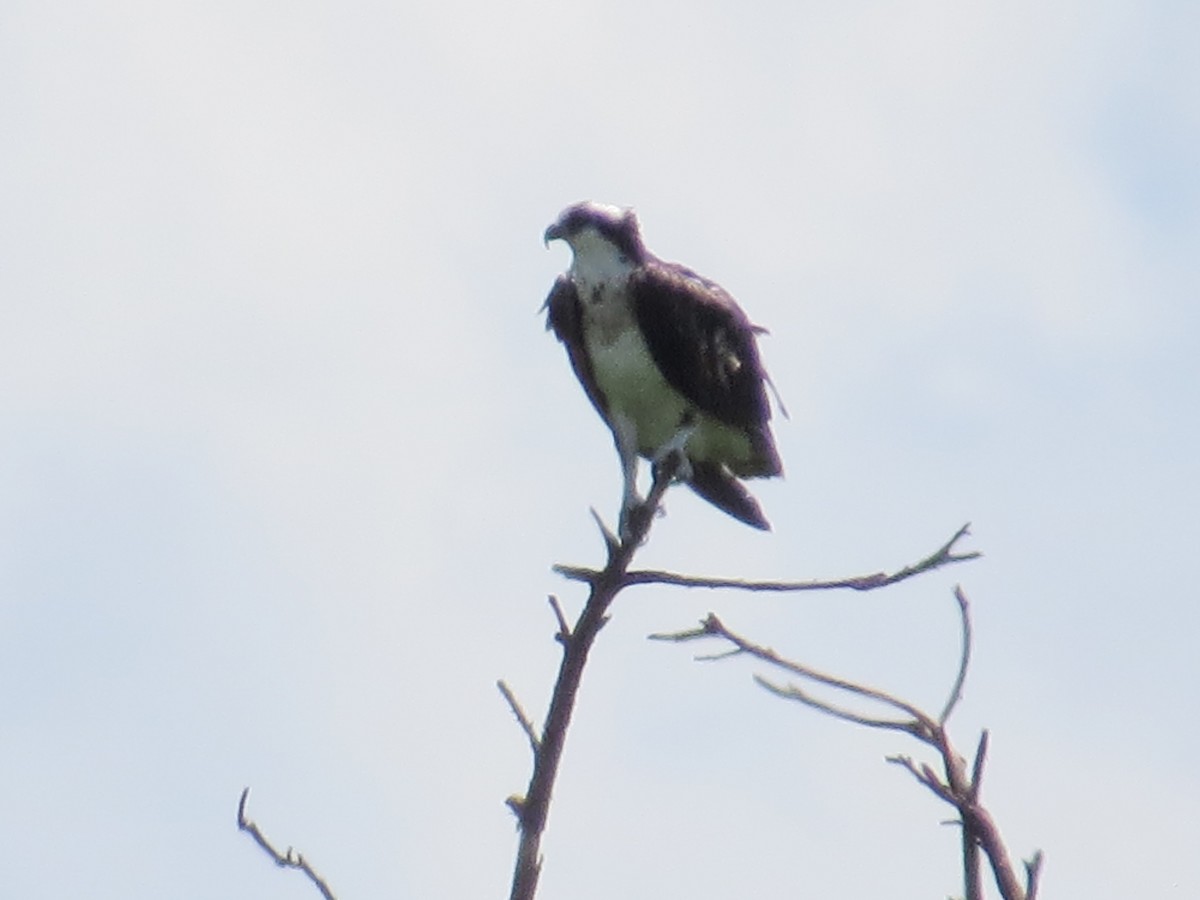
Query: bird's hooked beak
(553,233)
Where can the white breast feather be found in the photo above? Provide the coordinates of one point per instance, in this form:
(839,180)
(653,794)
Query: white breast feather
(625,370)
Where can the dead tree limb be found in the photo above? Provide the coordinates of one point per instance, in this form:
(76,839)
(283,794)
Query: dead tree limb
(532,808)
(955,785)
(290,859)
(943,556)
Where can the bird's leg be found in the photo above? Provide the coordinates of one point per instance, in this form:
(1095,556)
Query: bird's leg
(677,447)
(625,437)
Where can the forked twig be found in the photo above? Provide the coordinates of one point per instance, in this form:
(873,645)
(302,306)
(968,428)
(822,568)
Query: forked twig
(955,785)
(604,584)
(532,808)
(291,859)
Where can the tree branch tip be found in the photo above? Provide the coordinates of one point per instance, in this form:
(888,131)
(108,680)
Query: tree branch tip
(977,767)
(677,637)
(946,553)
(522,717)
(611,541)
(931,777)
(242,807)
(717,657)
(564,629)
(1033,872)
(575,573)
(1033,865)
(774,688)
(290,859)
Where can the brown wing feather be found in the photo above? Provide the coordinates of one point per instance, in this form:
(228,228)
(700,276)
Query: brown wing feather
(705,347)
(564,316)
(702,342)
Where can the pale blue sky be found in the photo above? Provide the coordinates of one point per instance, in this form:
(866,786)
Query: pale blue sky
(285,454)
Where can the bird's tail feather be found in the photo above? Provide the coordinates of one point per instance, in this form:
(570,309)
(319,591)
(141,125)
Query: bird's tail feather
(716,484)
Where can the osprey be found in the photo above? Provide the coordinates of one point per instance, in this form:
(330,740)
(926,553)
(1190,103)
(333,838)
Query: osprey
(668,359)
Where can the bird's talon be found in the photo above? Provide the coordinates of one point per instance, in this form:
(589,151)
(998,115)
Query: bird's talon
(634,519)
(674,461)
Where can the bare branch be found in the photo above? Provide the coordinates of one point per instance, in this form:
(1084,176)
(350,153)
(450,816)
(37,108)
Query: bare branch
(533,809)
(289,860)
(604,584)
(717,657)
(977,767)
(964,660)
(1033,874)
(980,822)
(712,626)
(960,790)
(611,542)
(521,716)
(564,630)
(943,556)
(972,868)
(680,637)
(924,775)
(793,692)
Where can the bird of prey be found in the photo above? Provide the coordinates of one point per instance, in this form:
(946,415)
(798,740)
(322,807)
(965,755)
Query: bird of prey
(668,359)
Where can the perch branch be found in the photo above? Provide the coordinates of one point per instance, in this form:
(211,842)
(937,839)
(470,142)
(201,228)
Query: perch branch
(290,859)
(604,584)
(533,809)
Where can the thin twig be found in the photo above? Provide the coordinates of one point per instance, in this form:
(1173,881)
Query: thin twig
(714,627)
(943,556)
(521,716)
(977,766)
(923,775)
(716,657)
(611,541)
(964,661)
(564,630)
(289,860)
(794,692)
(1033,874)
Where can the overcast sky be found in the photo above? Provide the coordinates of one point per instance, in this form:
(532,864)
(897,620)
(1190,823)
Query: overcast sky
(286,455)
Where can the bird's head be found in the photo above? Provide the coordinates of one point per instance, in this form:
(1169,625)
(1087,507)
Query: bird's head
(588,226)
